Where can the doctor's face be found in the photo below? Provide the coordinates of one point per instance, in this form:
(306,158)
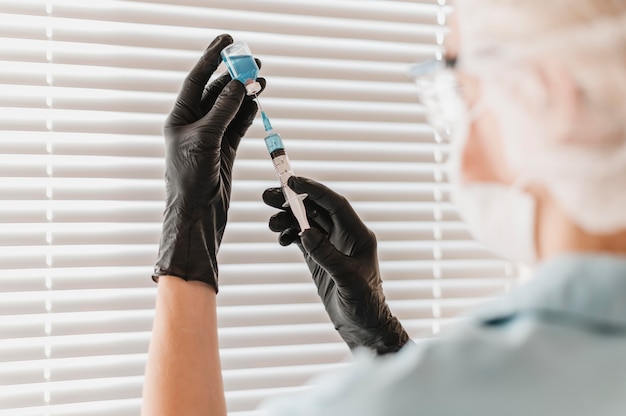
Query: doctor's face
(483,158)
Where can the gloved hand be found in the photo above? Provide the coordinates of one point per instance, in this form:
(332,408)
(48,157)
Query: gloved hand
(202,134)
(340,252)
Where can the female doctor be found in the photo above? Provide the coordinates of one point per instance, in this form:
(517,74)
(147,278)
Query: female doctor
(532,96)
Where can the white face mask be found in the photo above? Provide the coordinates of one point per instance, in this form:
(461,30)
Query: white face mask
(499,216)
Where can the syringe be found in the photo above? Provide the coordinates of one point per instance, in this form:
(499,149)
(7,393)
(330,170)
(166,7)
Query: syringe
(276,149)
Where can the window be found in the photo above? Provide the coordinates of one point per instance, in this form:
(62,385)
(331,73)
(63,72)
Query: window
(84,89)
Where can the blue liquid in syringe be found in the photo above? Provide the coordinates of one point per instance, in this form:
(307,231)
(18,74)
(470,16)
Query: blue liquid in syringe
(273,142)
(243,68)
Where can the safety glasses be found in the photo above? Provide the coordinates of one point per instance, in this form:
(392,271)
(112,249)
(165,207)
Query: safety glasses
(439,91)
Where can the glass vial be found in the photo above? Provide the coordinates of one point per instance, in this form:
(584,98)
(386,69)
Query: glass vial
(242,66)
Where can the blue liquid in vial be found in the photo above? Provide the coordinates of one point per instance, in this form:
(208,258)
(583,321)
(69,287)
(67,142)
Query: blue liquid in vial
(243,68)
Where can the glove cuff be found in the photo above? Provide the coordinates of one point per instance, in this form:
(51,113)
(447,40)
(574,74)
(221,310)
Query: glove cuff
(392,337)
(388,338)
(188,247)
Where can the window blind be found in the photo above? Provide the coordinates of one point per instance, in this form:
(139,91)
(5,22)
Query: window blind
(84,89)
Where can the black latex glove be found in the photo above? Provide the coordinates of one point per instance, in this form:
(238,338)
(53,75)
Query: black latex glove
(340,252)
(202,134)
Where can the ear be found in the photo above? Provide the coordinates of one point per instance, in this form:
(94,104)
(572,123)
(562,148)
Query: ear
(563,99)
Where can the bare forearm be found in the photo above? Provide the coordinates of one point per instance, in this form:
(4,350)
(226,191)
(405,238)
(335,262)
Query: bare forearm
(183,374)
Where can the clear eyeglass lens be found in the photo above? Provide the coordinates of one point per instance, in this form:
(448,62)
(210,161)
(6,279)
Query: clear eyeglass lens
(441,95)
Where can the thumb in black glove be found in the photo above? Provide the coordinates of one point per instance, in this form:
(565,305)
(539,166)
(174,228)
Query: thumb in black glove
(340,252)
(202,134)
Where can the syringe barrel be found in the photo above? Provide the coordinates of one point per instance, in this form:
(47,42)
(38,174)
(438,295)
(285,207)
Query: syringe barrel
(282,166)
(292,199)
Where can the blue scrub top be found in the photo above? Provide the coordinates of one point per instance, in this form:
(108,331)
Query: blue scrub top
(556,346)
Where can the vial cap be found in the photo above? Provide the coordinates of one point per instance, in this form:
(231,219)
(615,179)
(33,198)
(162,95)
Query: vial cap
(253,87)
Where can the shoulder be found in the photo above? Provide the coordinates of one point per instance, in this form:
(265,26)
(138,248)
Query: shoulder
(480,368)
(554,346)
(424,375)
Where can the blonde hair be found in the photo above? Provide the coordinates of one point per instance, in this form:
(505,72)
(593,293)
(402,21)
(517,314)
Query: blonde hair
(588,37)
